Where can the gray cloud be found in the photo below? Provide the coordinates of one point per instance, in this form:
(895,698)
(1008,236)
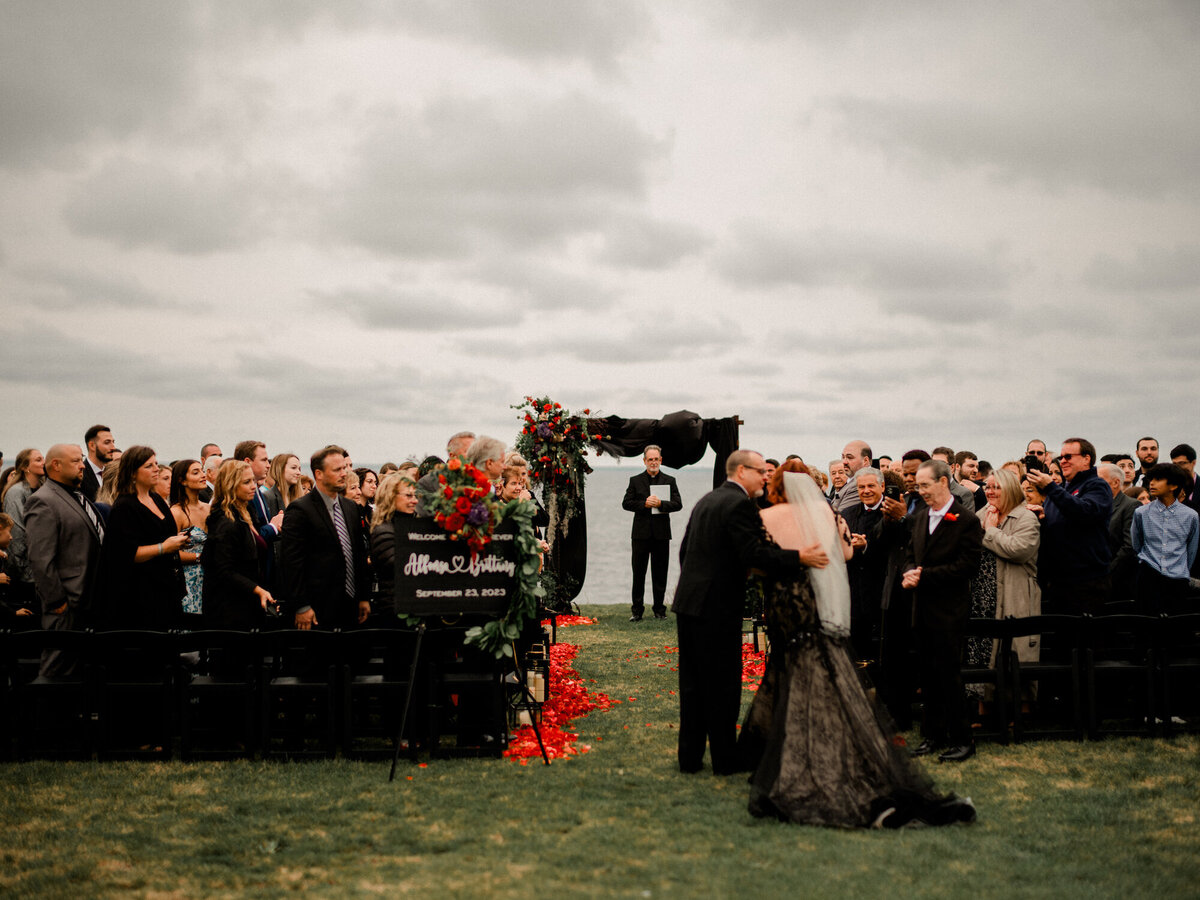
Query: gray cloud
(410,309)
(465,175)
(596,31)
(136,204)
(1151,269)
(902,272)
(643,243)
(70,71)
(538,286)
(67,287)
(1103,142)
(662,337)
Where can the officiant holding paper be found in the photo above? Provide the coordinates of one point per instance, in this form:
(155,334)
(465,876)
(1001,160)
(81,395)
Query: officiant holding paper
(651,496)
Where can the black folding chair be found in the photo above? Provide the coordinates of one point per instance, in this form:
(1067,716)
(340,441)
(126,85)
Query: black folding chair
(47,716)
(1179,671)
(1119,670)
(218,697)
(997,677)
(376,668)
(134,674)
(299,680)
(1052,686)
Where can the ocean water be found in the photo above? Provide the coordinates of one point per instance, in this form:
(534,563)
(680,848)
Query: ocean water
(609,577)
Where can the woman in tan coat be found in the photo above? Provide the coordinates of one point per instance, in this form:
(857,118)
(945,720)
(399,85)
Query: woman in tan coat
(1013,534)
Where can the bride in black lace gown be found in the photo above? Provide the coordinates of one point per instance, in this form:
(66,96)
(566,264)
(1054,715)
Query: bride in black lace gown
(824,750)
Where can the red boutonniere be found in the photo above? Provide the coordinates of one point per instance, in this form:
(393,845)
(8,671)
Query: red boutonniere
(950,517)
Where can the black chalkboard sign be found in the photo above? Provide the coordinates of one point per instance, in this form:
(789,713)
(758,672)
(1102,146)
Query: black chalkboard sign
(436,576)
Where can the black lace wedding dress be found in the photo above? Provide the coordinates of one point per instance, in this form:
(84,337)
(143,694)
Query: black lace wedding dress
(823,747)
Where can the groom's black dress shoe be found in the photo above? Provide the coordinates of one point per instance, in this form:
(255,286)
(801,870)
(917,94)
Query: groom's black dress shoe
(957,754)
(925,748)
(635,618)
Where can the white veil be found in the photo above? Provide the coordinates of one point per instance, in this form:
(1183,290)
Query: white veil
(815,520)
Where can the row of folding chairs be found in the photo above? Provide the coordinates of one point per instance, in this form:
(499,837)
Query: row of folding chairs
(1094,676)
(228,694)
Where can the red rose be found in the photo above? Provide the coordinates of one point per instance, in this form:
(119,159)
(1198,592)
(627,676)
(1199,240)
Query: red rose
(951,517)
(455,522)
(447,492)
(463,505)
(441,479)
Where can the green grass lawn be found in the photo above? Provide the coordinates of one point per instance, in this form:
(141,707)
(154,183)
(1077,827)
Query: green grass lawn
(1110,819)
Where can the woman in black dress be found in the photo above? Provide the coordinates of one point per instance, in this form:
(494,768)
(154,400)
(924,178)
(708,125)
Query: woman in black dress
(396,499)
(143,575)
(825,751)
(234,597)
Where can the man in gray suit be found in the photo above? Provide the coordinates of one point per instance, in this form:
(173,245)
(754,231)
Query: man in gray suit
(65,534)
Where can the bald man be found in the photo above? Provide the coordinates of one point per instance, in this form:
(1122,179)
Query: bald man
(65,535)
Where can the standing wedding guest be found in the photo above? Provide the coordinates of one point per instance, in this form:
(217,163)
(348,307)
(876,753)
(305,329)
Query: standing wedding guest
(1147,454)
(409,468)
(354,495)
(191,518)
(1166,537)
(306,484)
(284,474)
(325,580)
(962,494)
(28,475)
(1073,565)
(1122,569)
(99,443)
(1037,448)
(397,501)
(1006,581)
(13,614)
(144,583)
(66,536)
(108,488)
(651,534)
(234,594)
(867,567)
(1184,456)
(723,539)
(856,455)
(387,469)
(268,526)
(837,479)
(163,486)
(1054,467)
(369,482)
(208,451)
(1140,494)
(210,465)
(458,445)
(942,556)
(487,455)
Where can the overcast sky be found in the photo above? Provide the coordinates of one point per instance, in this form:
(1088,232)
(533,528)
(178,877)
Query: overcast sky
(380,223)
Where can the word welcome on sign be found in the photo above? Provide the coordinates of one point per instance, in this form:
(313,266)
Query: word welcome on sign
(436,576)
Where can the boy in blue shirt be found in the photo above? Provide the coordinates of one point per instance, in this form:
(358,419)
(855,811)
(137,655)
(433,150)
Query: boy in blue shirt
(1166,535)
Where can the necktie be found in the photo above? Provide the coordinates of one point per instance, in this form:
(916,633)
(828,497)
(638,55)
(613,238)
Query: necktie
(91,514)
(343,533)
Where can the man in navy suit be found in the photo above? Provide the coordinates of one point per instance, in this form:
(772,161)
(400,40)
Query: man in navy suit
(99,443)
(254,454)
(943,556)
(651,532)
(724,538)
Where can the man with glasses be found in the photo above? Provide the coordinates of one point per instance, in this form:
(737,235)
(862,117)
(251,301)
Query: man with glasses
(1074,559)
(651,535)
(1037,447)
(724,538)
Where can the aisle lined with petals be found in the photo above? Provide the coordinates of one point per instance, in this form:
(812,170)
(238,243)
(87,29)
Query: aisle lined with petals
(570,699)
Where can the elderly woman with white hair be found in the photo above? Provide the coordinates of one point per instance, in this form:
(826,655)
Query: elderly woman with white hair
(487,455)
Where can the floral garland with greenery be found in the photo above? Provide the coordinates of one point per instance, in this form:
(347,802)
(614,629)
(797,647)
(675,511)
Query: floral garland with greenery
(463,504)
(555,444)
(497,635)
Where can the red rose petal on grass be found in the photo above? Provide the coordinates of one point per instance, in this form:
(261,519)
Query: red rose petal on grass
(422,765)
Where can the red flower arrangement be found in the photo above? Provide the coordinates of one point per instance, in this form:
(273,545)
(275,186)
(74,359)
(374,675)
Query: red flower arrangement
(464,505)
(555,443)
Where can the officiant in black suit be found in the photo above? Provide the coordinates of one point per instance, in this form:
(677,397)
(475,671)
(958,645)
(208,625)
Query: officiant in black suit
(943,556)
(724,538)
(651,531)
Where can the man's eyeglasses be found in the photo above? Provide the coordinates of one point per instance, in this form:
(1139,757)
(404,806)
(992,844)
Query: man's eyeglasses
(761,470)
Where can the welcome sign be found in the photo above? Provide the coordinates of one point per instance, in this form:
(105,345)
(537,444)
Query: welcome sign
(436,576)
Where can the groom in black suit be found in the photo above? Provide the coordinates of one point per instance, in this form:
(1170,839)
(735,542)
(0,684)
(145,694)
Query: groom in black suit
(724,538)
(651,532)
(943,556)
